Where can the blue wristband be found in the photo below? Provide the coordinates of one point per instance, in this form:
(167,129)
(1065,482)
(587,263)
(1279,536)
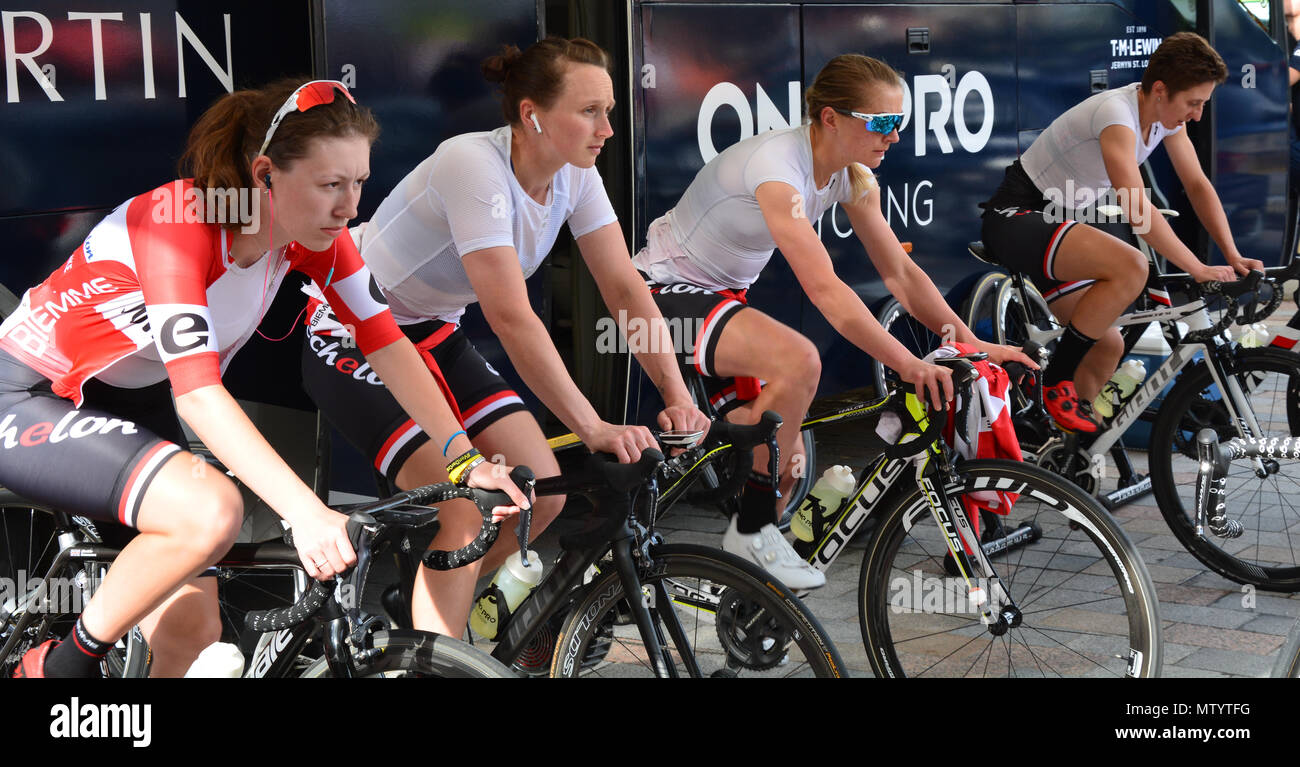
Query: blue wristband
(449,439)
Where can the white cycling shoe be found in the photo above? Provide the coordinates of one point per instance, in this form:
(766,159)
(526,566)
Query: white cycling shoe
(771,551)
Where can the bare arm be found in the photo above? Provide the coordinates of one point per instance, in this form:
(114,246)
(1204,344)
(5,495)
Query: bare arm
(911,285)
(224,428)
(627,297)
(837,302)
(499,284)
(1205,201)
(1118,148)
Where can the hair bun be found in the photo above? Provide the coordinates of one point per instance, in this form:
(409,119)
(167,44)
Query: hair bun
(497,68)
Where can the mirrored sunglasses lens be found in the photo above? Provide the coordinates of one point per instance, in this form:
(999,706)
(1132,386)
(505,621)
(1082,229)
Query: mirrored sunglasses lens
(884,123)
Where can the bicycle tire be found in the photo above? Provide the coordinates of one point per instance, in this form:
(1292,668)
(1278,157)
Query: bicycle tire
(917,338)
(1088,604)
(978,308)
(23,522)
(1287,664)
(1010,322)
(715,592)
(1267,555)
(406,652)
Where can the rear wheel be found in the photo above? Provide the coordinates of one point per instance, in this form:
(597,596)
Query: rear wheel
(719,616)
(29,544)
(917,338)
(979,310)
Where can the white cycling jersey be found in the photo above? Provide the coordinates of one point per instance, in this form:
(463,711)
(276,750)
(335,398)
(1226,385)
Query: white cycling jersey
(1068,153)
(715,236)
(465,198)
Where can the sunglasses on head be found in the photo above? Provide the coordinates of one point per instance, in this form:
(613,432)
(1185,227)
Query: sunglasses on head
(879,123)
(305,97)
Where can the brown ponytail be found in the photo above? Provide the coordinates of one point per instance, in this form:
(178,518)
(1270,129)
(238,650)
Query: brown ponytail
(839,85)
(222,143)
(538,73)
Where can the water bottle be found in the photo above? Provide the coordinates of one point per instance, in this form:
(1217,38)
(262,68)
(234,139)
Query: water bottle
(825,496)
(514,581)
(1254,336)
(218,660)
(1120,387)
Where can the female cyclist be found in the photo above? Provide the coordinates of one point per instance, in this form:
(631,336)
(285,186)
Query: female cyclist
(1092,153)
(764,193)
(154,303)
(470,224)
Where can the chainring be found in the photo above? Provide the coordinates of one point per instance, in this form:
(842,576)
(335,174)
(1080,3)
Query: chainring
(1052,456)
(751,639)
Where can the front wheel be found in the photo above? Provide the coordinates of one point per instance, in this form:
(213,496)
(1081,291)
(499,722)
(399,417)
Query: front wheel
(720,616)
(1267,555)
(1087,606)
(417,654)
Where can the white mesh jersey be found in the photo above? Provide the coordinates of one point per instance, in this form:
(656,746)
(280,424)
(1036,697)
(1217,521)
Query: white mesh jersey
(464,198)
(1068,153)
(715,236)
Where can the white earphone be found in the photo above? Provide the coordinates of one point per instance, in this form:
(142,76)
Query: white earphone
(536,124)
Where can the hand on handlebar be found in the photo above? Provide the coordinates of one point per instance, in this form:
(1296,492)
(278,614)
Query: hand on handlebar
(683,418)
(932,380)
(321,539)
(623,442)
(1205,273)
(1244,266)
(496,476)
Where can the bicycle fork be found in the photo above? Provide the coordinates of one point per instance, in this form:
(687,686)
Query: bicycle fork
(648,608)
(997,610)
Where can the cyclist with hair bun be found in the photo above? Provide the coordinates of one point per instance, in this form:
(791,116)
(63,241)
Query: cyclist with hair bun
(1087,275)
(154,303)
(469,225)
(764,193)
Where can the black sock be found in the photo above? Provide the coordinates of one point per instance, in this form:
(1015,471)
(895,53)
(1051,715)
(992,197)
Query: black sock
(77,656)
(1070,351)
(757,504)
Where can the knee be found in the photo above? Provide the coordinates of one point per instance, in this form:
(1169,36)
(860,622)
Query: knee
(803,364)
(1133,269)
(212,520)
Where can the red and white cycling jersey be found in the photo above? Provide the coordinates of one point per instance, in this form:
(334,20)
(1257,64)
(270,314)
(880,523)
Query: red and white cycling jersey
(146,298)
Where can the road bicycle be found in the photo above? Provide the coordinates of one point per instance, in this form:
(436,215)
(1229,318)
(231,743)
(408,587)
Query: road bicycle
(1061,592)
(619,601)
(1247,392)
(57,559)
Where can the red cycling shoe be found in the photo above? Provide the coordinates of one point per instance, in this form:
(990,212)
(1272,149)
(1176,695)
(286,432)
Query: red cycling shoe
(32,665)
(1067,410)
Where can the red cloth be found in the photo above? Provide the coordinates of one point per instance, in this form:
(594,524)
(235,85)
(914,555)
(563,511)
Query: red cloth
(988,433)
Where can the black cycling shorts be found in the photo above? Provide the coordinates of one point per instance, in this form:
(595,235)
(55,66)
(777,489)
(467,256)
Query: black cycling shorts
(1023,232)
(338,379)
(97,460)
(696,317)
